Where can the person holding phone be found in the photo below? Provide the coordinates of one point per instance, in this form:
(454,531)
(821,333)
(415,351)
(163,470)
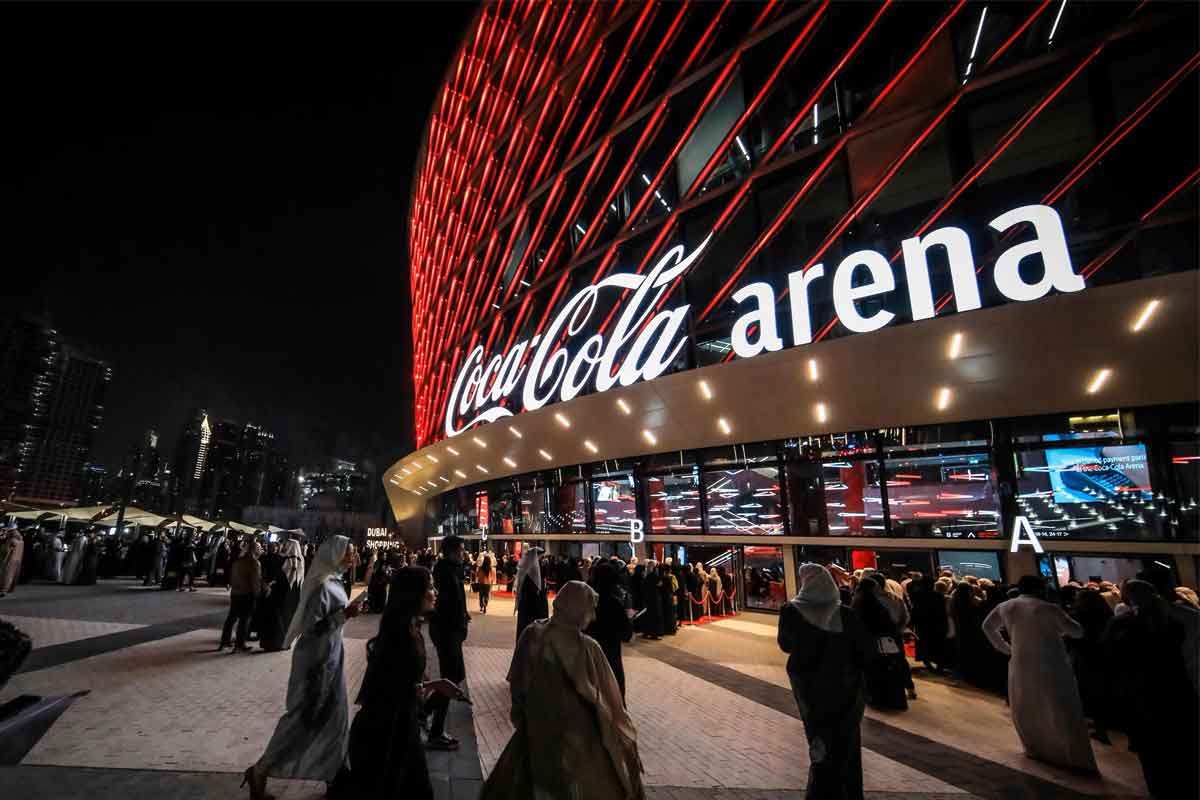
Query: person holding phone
(386,758)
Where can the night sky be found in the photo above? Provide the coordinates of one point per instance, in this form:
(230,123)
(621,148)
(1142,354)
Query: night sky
(214,199)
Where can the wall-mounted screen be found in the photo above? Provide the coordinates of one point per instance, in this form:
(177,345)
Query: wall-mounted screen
(1101,492)
(980,563)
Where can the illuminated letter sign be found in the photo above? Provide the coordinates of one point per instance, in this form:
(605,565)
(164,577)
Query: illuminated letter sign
(1021,524)
(575,351)
(637,531)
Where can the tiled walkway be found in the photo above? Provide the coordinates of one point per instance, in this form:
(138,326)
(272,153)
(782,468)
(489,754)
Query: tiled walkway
(167,716)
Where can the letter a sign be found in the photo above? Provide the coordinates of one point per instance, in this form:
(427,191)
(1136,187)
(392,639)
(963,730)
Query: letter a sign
(1021,524)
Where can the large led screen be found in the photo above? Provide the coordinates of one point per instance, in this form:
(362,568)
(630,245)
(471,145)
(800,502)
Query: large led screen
(1090,493)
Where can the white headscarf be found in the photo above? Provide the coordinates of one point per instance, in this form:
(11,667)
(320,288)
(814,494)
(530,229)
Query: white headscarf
(529,566)
(293,564)
(327,564)
(818,600)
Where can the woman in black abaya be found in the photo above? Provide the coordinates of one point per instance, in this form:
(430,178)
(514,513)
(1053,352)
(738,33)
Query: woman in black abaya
(385,753)
(270,606)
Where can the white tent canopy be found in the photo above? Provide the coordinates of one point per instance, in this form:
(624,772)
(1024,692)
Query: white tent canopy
(137,516)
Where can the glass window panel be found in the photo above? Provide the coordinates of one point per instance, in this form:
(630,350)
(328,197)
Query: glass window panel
(744,500)
(1061,427)
(806,500)
(1185,463)
(952,496)
(674,502)
(762,574)
(615,503)
(502,509)
(852,499)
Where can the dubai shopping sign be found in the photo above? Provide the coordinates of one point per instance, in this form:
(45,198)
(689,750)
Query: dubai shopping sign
(558,364)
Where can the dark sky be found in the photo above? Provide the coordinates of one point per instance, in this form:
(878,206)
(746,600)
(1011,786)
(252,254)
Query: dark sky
(214,199)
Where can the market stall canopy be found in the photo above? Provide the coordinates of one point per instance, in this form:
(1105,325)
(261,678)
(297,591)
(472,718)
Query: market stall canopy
(133,516)
(34,514)
(80,514)
(239,527)
(196,522)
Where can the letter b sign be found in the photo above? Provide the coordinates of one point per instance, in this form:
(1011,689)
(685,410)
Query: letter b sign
(637,531)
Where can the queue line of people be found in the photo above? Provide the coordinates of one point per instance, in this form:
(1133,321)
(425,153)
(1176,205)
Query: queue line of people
(1127,660)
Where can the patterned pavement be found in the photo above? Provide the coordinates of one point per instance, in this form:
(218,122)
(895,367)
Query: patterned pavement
(165,715)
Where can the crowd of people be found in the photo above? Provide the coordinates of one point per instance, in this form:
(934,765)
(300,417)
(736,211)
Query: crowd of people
(566,697)
(1075,663)
(663,595)
(1125,658)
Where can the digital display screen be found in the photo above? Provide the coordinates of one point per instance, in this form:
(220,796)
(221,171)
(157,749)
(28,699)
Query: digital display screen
(1101,492)
(1094,474)
(981,564)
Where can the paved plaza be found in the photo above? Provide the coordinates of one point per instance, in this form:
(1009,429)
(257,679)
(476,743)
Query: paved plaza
(150,708)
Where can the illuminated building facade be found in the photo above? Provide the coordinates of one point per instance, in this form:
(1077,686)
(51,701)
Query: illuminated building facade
(857,282)
(51,406)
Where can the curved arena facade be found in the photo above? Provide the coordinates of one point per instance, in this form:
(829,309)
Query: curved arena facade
(910,285)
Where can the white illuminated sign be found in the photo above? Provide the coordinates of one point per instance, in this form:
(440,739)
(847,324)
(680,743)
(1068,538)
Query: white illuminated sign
(637,531)
(643,343)
(1022,533)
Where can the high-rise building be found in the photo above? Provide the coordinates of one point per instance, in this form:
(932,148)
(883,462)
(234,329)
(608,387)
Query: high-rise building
(222,466)
(342,488)
(51,405)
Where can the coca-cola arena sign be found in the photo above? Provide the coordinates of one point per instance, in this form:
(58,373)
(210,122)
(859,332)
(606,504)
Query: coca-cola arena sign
(643,343)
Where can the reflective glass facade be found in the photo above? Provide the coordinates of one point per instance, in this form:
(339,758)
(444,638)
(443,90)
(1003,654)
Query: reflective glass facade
(1126,475)
(573,142)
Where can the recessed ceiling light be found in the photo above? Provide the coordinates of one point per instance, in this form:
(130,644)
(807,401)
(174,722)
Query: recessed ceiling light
(432,458)
(515,433)
(943,398)
(1098,381)
(545,455)
(460,473)
(431,483)
(723,424)
(621,404)
(452,451)
(821,412)
(510,462)
(649,437)
(443,479)
(706,390)
(481,468)
(813,372)
(1144,317)
(955,345)
(478,441)
(562,420)
(590,446)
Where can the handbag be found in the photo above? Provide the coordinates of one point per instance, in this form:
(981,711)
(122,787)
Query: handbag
(887,646)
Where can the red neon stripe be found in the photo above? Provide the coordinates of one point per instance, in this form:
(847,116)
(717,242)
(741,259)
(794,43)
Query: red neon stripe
(812,180)
(1017,33)
(800,118)
(1123,129)
(797,46)
(1003,144)
(1171,194)
(929,40)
